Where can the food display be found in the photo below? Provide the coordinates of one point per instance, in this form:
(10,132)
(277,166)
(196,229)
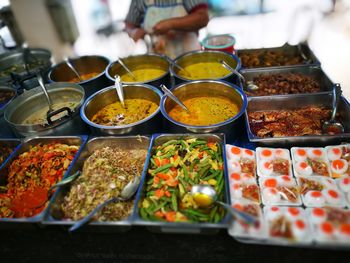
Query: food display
(104,175)
(20,68)
(83,77)
(205,110)
(310,161)
(344,187)
(240,160)
(175,166)
(285,123)
(116,115)
(339,157)
(267,58)
(318,191)
(330,225)
(204,70)
(273,162)
(287,224)
(143,74)
(287,83)
(30,176)
(281,190)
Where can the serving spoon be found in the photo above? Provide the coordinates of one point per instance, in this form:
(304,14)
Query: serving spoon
(128,191)
(127,69)
(65,181)
(73,68)
(332,126)
(42,85)
(210,194)
(173,97)
(249,84)
(119,87)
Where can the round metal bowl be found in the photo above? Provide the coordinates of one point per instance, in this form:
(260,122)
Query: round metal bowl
(198,56)
(33,101)
(108,95)
(85,64)
(205,88)
(140,62)
(34,57)
(4,104)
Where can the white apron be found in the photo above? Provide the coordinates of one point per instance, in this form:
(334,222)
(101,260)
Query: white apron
(174,43)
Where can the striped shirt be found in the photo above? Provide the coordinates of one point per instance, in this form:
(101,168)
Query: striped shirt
(138,8)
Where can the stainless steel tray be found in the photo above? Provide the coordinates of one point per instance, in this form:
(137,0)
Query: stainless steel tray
(192,228)
(287,102)
(54,214)
(313,71)
(12,143)
(302,49)
(25,146)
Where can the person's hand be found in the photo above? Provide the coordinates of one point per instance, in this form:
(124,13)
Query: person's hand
(137,34)
(163,27)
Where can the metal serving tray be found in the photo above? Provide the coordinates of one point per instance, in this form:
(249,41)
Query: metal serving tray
(191,228)
(313,71)
(13,143)
(54,214)
(287,102)
(301,49)
(25,146)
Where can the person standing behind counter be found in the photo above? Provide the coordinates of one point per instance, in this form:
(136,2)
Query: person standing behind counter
(172,24)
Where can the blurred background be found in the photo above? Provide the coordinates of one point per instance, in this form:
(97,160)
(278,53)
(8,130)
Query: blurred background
(77,27)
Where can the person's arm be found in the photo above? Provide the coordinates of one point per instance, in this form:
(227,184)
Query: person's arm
(133,20)
(191,22)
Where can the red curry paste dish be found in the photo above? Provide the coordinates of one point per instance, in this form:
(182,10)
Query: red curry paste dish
(30,176)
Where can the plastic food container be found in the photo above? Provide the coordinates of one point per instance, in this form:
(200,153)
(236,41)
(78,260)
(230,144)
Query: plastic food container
(220,43)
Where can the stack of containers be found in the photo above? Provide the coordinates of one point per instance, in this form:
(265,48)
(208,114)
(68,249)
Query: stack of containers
(304,194)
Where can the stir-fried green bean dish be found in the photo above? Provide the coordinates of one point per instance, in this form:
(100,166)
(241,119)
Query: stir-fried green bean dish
(174,168)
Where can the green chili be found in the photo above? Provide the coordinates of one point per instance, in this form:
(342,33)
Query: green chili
(162,168)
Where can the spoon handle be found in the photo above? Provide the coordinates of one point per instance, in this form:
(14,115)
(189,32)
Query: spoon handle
(235,212)
(64,181)
(173,97)
(126,68)
(227,66)
(336,95)
(42,85)
(119,87)
(87,218)
(73,69)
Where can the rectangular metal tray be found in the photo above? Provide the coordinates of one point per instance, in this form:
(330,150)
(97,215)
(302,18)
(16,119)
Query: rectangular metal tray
(54,214)
(289,49)
(13,143)
(25,146)
(287,102)
(192,228)
(313,71)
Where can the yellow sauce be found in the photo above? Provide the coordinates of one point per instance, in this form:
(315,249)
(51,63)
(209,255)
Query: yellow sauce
(142,75)
(115,115)
(204,70)
(83,77)
(204,111)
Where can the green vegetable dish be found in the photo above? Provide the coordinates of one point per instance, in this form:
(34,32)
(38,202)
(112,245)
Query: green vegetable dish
(174,168)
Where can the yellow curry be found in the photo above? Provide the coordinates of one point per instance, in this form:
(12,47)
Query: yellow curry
(142,75)
(115,115)
(204,70)
(83,77)
(205,111)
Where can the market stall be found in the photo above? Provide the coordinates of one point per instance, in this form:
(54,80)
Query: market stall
(250,130)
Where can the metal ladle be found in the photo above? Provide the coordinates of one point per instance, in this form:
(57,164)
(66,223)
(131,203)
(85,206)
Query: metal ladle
(181,68)
(126,68)
(249,84)
(210,193)
(119,87)
(42,85)
(73,69)
(128,191)
(332,126)
(173,97)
